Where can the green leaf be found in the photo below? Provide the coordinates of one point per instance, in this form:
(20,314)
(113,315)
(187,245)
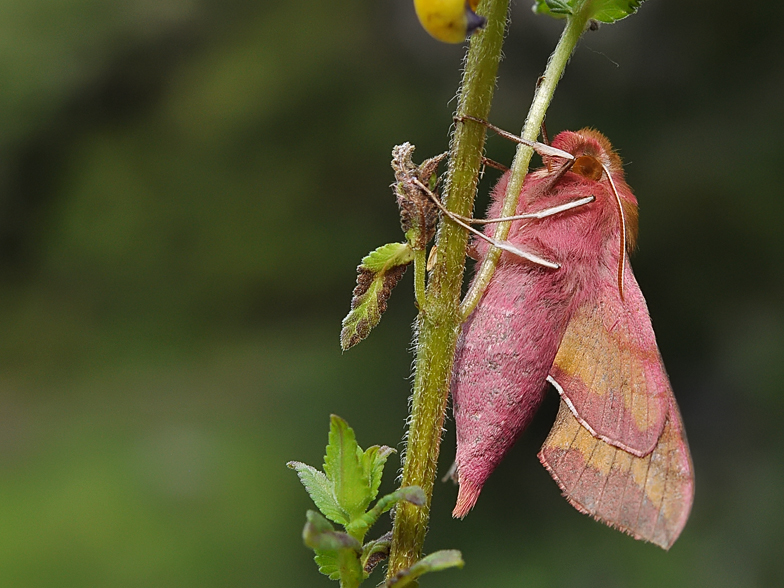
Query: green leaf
(554,8)
(337,554)
(321,491)
(341,565)
(413,494)
(328,564)
(319,534)
(607,11)
(374,460)
(376,551)
(359,526)
(344,467)
(610,11)
(440,560)
(377,275)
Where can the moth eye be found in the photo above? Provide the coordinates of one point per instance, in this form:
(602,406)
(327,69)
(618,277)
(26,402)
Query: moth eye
(450,21)
(588,167)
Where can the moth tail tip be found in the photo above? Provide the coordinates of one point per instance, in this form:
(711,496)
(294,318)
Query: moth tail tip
(466,499)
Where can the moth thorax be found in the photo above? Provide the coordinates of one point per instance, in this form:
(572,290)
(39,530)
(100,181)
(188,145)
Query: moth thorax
(588,167)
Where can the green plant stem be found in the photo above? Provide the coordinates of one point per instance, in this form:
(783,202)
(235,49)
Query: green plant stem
(420,266)
(440,318)
(575,26)
(438,321)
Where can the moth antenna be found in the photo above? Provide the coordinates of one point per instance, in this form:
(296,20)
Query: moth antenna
(622,256)
(540,148)
(503,245)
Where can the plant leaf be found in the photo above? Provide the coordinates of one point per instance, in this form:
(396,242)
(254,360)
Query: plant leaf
(610,11)
(377,275)
(554,8)
(337,554)
(359,526)
(440,560)
(321,491)
(606,11)
(376,551)
(374,459)
(328,564)
(319,534)
(343,565)
(418,213)
(344,469)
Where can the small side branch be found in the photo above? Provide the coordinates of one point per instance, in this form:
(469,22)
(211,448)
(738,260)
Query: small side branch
(575,26)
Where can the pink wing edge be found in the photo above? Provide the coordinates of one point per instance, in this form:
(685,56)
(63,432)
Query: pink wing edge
(573,474)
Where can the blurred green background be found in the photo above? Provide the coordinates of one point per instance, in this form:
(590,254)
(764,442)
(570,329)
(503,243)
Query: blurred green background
(186,188)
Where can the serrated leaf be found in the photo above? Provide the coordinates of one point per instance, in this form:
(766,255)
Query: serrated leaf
(328,564)
(440,560)
(387,256)
(606,11)
(337,554)
(341,565)
(343,465)
(374,459)
(377,275)
(321,491)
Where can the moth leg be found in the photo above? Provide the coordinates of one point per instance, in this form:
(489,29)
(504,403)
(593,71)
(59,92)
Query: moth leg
(472,252)
(540,148)
(543,131)
(503,245)
(539,214)
(431,258)
(451,474)
(544,213)
(557,175)
(494,164)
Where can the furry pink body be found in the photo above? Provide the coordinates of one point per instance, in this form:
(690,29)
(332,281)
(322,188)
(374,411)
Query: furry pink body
(508,344)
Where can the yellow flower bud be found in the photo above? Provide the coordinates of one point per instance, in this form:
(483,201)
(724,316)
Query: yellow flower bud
(450,21)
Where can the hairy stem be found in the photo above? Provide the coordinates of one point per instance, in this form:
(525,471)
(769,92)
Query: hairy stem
(575,26)
(420,266)
(440,318)
(438,321)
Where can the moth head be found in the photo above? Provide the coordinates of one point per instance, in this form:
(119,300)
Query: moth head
(596,160)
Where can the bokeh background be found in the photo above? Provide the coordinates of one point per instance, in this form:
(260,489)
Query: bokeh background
(186,187)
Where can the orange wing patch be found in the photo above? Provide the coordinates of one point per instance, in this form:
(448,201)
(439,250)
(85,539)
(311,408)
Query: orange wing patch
(647,497)
(609,372)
